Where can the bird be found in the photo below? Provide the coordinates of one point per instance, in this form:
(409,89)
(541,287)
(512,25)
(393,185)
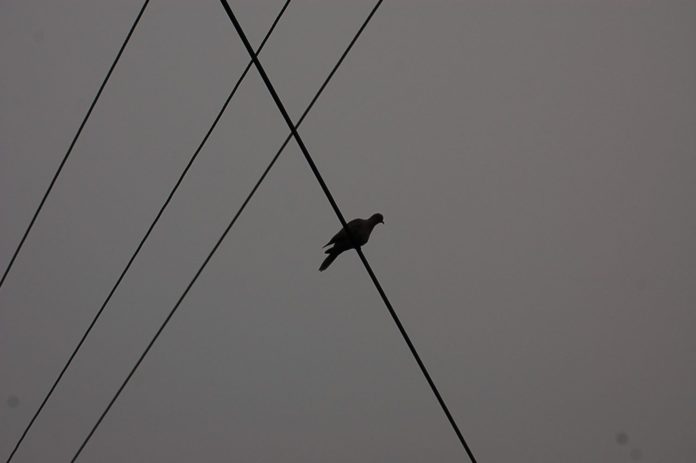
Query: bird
(360,230)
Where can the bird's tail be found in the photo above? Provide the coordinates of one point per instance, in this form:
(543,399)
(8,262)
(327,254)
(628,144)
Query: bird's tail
(330,258)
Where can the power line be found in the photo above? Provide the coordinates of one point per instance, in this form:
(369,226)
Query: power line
(146,236)
(313,166)
(226,231)
(72,145)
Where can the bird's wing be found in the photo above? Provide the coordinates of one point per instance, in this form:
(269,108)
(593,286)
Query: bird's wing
(341,236)
(336,237)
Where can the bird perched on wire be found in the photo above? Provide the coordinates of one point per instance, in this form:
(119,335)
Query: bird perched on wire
(360,230)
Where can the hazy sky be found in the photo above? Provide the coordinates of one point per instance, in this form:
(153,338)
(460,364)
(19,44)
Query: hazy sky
(535,162)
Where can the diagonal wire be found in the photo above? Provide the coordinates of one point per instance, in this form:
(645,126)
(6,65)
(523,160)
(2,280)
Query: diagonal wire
(72,145)
(146,236)
(224,234)
(313,166)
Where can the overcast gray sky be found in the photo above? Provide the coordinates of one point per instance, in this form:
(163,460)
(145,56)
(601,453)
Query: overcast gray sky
(535,162)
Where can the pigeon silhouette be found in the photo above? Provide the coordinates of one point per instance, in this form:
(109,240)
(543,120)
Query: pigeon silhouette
(360,230)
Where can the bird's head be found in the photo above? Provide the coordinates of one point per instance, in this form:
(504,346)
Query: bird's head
(377,218)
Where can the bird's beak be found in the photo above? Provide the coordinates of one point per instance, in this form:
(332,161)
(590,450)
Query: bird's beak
(382,221)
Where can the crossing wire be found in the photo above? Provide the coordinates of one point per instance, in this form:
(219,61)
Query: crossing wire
(145,237)
(336,209)
(72,145)
(225,232)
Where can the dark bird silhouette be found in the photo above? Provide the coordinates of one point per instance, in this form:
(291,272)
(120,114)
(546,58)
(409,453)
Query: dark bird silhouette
(360,230)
